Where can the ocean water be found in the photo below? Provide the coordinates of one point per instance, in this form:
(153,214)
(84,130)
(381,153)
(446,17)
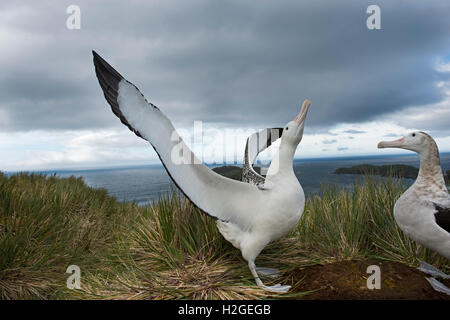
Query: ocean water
(147,183)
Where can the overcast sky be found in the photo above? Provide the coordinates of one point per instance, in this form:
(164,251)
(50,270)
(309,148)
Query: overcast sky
(237,66)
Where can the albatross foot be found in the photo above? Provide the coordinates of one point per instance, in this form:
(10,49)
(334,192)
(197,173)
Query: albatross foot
(270,272)
(432,271)
(438,286)
(276,288)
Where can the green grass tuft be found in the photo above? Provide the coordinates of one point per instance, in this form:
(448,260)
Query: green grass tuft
(170,250)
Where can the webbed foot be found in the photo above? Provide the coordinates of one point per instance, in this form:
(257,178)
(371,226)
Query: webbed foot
(432,271)
(277,288)
(438,286)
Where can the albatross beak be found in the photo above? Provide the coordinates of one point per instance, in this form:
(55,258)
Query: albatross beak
(391,144)
(302,115)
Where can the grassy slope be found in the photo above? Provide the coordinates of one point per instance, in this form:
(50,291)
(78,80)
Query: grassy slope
(169,249)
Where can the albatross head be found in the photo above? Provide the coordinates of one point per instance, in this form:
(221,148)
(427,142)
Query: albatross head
(417,141)
(293,131)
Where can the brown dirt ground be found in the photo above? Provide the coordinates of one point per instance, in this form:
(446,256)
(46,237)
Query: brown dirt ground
(346,280)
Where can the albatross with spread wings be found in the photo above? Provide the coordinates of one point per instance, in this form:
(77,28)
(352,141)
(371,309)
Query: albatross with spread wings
(249,215)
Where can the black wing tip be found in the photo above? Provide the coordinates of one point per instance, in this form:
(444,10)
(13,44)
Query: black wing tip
(104,70)
(109,79)
(103,66)
(97,57)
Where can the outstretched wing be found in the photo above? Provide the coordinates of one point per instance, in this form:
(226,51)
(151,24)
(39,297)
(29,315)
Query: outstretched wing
(217,196)
(256,143)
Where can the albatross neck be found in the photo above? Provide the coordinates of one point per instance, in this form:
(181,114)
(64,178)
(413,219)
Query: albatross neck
(282,163)
(430,171)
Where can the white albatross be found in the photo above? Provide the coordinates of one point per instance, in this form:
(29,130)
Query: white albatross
(423,211)
(248,215)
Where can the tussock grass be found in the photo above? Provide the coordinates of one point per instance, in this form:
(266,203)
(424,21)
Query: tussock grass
(170,250)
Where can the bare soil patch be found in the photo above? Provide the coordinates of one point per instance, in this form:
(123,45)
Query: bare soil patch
(348,280)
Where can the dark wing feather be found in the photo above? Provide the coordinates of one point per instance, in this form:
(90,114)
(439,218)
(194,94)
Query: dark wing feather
(442,217)
(257,143)
(109,80)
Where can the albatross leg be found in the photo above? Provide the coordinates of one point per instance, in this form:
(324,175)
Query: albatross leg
(270,272)
(275,288)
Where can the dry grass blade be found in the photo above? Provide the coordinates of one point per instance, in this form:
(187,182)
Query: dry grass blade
(170,250)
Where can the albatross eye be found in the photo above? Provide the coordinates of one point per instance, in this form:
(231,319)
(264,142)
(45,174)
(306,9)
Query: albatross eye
(413,134)
(287,128)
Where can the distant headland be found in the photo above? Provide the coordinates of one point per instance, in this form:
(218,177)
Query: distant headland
(395,170)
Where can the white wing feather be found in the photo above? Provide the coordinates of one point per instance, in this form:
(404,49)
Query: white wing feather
(218,196)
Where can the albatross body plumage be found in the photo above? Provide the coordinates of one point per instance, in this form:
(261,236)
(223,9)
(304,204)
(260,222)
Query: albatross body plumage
(248,215)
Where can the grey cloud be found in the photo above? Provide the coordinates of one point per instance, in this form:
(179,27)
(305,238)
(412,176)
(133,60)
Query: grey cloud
(234,62)
(390,135)
(342,148)
(352,131)
(326,141)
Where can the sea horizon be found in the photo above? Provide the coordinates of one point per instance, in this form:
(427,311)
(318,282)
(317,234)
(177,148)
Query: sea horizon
(147,183)
(210,164)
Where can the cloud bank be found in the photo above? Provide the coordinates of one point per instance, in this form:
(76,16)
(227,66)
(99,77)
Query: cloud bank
(233,64)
